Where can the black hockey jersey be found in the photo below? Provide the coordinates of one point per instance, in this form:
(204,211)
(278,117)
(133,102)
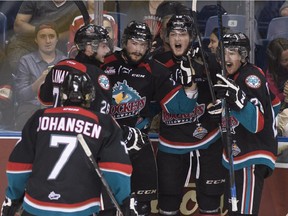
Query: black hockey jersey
(182,133)
(50,89)
(135,86)
(50,166)
(253,128)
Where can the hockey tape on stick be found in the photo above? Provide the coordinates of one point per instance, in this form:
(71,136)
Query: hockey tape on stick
(207,72)
(226,132)
(99,173)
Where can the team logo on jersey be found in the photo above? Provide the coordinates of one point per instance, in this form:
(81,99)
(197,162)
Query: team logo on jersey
(235,149)
(124,70)
(233,124)
(110,70)
(126,101)
(104,82)
(253,81)
(54,196)
(200,131)
(178,119)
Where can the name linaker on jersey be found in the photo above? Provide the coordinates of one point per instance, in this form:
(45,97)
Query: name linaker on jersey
(59,75)
(69,125)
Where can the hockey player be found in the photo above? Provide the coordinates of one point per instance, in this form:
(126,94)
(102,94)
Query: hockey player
(48,165)
(189,143)
(136,81)
(254,145)
(93,44)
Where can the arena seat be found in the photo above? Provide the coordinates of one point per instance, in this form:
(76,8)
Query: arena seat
(234,22)
(277,28)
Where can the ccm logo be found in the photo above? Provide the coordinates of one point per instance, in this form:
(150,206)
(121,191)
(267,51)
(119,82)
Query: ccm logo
(138,75)
(219,181)
(146,192)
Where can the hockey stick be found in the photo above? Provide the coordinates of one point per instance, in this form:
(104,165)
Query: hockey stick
(99,173)
(83,10)
(226,128)
(118,22)
(209,80)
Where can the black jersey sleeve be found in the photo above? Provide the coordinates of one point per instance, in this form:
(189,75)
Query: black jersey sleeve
(45,93)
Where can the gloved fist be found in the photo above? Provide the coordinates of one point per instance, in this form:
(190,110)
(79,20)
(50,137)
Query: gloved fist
(228,89)
(134,139)
(186,72)
(215,110)
(191,73)
(10,207)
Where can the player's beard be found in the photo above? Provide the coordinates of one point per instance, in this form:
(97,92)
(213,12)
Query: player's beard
(130,61)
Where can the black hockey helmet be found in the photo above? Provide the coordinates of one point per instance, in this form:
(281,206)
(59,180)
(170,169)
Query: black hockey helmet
(92,34)
(237,40)
(181,22)
(77,88)
(138,31)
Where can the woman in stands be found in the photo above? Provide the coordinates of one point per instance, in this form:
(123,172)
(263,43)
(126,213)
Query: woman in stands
(277,71)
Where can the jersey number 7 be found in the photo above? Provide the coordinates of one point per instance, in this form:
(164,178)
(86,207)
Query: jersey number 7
(70,145)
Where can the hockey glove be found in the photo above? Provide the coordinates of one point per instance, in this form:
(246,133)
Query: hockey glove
(186,73)
(228,89)
(191,70)
(134,139)
(10,207)
(215,111)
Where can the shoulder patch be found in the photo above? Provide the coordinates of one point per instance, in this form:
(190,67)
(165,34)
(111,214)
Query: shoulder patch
(104,82)
(253,81)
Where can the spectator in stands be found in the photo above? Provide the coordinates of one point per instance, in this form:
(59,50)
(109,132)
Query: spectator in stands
(277,78)
(149,17)
(33,69)
(213,62)
(214,41)
(139,9)
(283,11)
(277,72)
(32,13)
